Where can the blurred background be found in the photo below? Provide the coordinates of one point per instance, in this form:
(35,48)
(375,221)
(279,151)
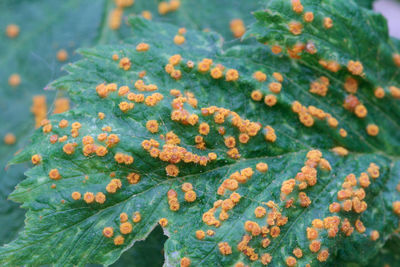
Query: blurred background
(391,10)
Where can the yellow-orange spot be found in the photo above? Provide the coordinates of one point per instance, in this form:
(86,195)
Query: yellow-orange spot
(123,217)
(355,67)
(125,228)
(108,232)
(216,73)
(200,234)
(224,248)
(260,212)
(308,16)
(147,14)
(88,197)
(204,128)
(379,93)
(36,159)
(179,39)
(260,76)
(9,139)
(278,76)
(341,151)
(266,258)
(275,87)
(315,246)
(374,235)
(395,92)
(262,167)
(125,63)
(372,129)
(61,105)
(361,111)
(373,170)
(276,49)
(343,133)
(185,262)
(396,59)
(269,134)
(12,31)
(270,100)
(69,148)
(163,222)
(297,6)
(298,252)
(351,85)
(291,261)
(328,23)
(62,55)
(76,195)
(54,174)
(115,18)
(190,196)
(172,170)
(237,27)
(256,95)
(152,126)
(119,240)
(323,255)
(136,217)
(142,47)
(14,80)
(100,198)
(232,75)
(295,27)
(331,65)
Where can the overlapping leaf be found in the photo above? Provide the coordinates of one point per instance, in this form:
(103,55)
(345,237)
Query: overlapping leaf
(65,231)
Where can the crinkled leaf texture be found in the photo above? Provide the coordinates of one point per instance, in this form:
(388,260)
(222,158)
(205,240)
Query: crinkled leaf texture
(46,26)
(63,231)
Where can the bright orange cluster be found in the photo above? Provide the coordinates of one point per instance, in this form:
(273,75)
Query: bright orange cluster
(307,115)
(320,86)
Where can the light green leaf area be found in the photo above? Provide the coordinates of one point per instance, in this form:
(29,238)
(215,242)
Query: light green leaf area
(47,26)
(63,231)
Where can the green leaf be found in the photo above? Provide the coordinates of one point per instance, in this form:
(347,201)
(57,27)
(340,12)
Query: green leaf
(60,230)
(364,40)
(47,27)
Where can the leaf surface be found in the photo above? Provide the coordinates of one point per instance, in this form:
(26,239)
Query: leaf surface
(67,231)
(45,28)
